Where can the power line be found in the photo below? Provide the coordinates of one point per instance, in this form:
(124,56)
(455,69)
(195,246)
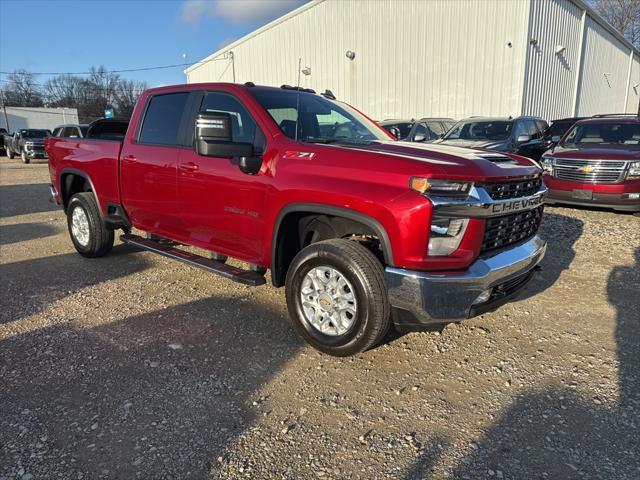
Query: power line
(127,70)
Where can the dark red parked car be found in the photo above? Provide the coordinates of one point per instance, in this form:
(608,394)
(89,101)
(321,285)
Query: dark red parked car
(597,163)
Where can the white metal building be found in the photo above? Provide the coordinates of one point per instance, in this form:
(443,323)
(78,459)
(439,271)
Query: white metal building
(36,117)
(453,58)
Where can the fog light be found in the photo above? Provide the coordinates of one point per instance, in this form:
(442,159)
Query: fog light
(483,297)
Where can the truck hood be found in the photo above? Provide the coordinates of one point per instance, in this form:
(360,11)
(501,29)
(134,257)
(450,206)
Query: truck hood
(599,152)
(482,144)
(449,161)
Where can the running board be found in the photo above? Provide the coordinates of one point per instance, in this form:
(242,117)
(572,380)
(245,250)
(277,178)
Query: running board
(239,275)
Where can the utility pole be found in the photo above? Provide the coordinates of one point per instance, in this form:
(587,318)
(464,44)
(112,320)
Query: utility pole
(4,108)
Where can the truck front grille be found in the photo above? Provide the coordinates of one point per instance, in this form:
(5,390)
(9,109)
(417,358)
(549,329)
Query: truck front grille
(509,229)
(513,189)
(589,171)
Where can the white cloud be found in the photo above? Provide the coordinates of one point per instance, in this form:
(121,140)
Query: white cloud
(226,41)
(248,12)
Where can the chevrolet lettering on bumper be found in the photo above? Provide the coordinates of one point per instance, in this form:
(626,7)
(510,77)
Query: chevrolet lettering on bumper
(517,205)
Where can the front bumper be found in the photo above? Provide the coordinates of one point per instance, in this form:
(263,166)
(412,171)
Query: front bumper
(628,202)
(420,298)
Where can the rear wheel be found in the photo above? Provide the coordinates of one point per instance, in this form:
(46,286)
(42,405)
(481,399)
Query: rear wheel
(337,298)
(88,232)
(24,157)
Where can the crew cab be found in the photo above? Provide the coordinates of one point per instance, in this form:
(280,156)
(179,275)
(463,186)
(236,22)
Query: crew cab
(596,163)
(363,231)
(521,135)
(28,143)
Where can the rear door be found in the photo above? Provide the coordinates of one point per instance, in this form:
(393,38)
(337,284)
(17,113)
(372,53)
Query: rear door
(149,165)
(223,209)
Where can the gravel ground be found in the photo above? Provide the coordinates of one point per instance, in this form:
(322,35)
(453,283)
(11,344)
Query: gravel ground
(134,366)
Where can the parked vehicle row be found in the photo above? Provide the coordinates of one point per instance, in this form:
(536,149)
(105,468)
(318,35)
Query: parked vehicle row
(423,130)
(363,232)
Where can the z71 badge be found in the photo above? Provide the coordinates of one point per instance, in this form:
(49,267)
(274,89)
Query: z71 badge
(516,205)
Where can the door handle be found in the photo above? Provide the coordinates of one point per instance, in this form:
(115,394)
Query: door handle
(129,158)
(189,166)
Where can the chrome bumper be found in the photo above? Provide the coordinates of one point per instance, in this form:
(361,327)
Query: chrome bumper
(421,298)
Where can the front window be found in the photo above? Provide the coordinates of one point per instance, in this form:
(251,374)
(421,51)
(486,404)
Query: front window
(31,133)
(404,128)
(608,133)
(315,119)
(480,130)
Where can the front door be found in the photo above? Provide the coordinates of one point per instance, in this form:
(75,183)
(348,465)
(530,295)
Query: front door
(222,208)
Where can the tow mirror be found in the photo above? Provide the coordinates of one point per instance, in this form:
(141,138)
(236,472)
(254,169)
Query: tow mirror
(523,139)
(555,139)
(214,137)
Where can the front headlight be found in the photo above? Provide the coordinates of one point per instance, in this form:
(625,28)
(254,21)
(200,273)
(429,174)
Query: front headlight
(440,187)
(446,235)
(634,171)
(547,165)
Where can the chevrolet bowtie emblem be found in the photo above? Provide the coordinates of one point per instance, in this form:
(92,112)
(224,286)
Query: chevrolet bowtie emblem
(586,169)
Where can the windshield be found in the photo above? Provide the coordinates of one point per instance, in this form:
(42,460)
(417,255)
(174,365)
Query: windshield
(482,130)
(319,121)
(31,133)
(558,129)
(604,134)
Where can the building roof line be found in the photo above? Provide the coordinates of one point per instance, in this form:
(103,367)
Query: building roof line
(606,25)
(273,23)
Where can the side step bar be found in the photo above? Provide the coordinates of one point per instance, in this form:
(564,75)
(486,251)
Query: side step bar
(246,277)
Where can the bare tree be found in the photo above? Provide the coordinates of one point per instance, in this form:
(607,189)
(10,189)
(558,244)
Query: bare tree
(126,96)
(624,15)
(22,90)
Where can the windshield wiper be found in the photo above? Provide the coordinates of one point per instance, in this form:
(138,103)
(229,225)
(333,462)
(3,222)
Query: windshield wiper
(321,140)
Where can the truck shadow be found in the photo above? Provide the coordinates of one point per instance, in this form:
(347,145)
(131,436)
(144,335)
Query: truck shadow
(25,199)
(21,232)
(557,433)
(561,233)
(160,394)
(27,286)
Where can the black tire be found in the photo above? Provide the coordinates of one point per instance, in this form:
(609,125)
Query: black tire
(365,273)
(100,239)
(24,157)
(12,154)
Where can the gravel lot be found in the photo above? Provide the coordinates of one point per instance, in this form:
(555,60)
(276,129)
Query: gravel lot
(134,366)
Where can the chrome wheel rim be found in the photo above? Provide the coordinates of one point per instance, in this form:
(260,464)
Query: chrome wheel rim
(328,301)
(80,226)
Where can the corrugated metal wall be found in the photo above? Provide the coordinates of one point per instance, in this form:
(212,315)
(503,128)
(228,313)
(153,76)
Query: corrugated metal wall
(551,77)
(413,58)
(633,96)
(605,72)
(442,58)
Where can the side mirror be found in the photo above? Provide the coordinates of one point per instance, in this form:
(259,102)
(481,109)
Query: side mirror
(214,137)
(395,132)
(250,165)
(555,139)
(523,139)
(419,137)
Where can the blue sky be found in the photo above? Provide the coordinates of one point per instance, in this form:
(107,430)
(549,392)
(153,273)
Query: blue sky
(73,35)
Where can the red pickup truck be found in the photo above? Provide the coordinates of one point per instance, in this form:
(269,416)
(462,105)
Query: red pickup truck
(596,163)
(364,231)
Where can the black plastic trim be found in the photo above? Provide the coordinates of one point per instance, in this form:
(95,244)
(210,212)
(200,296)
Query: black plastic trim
(80,173)
(328,210)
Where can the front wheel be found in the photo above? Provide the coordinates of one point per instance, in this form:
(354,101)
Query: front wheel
(24,157)
(12,154)
(88,232)
(337,297)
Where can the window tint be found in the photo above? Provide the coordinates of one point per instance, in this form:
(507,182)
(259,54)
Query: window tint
(436,128)
(57,132)
(521,129)
(162,120)
(481,130)
(532,129)
(70,132)
(243,127)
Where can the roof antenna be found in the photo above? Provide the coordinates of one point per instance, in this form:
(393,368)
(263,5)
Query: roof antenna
(298,97)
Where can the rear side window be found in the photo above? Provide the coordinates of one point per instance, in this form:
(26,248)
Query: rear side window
(162,120)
